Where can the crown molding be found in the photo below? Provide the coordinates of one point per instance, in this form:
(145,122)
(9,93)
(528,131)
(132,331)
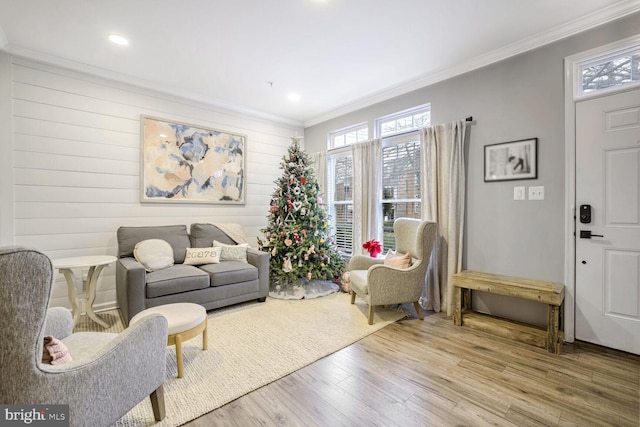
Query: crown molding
(616,11)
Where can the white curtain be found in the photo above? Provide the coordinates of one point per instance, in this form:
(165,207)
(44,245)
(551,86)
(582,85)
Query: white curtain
(443,196)
(319,163)
(366,184)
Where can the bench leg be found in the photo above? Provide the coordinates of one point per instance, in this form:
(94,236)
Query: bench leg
(457,311)
(553,324)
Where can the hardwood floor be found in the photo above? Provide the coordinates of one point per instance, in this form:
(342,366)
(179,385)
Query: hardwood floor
(431,373)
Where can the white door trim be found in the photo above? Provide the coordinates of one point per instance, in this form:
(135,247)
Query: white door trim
(570,67)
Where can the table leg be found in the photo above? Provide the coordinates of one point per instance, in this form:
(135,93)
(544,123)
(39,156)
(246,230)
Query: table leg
(204,334)
(71,290)
(92,279)
(179,360)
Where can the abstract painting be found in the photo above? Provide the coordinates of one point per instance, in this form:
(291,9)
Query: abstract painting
(186,163)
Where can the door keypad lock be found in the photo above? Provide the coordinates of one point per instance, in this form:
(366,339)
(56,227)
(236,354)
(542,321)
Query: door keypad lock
(585,214)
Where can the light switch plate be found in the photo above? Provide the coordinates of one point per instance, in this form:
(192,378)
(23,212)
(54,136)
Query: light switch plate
(518,193)
(536,193)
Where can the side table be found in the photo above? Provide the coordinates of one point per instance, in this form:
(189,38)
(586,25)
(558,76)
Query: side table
(95,264)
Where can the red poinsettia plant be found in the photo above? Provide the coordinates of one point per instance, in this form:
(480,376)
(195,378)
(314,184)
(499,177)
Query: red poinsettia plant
(373,246)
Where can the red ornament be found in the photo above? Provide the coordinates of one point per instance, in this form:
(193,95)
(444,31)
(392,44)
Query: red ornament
(303,180)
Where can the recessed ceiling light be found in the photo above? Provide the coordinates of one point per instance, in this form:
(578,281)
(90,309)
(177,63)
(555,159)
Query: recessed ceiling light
(118,40)
(294,97)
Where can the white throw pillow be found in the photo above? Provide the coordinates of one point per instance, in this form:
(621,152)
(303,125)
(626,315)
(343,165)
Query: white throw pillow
(199,256)
(153,254)
(232,252)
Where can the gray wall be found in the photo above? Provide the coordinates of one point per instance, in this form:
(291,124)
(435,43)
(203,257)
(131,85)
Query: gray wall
(521,97)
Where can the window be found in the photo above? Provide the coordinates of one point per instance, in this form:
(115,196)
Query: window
(341,201)
(404,121)
(616,69)
(400,169)
(401,196)
(348,136)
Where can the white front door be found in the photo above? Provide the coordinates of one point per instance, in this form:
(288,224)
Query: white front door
(608,181)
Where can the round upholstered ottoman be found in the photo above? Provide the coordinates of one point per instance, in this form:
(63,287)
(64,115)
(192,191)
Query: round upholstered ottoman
(185,321)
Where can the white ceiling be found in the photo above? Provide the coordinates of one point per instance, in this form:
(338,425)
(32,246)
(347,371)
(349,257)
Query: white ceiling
(339,55)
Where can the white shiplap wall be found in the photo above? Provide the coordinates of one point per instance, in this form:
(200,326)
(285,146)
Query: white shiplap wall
(76,165)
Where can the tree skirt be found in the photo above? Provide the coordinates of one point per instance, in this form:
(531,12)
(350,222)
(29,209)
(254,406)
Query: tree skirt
(306,289)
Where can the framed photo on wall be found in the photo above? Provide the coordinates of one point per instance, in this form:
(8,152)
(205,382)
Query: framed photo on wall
(184,163)
(511,160)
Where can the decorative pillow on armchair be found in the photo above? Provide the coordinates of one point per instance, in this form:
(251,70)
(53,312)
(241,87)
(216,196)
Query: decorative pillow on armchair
(153,254)
(232,252)
(397,260)
(199,256)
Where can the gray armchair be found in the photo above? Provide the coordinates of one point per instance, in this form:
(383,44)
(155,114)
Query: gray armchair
(109,373)
(379,284)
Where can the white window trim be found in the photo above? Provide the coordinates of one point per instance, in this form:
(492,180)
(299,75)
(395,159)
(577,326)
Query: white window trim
(343,131)
(399,115)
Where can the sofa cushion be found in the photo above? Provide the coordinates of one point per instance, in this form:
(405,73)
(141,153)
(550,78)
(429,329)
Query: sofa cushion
(153,254)
(203,235)
(175,235)
(176,279)
(199,256)
(229,272)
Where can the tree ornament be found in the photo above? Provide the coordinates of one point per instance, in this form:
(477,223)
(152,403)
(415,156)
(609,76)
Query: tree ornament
(286,265)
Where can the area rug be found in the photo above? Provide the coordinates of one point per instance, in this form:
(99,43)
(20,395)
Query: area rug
(250,346)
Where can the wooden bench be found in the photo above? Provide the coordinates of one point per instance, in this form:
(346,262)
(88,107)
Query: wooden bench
(548,293)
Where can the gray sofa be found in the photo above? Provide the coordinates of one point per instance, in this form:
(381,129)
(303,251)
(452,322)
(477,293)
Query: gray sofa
(210,285)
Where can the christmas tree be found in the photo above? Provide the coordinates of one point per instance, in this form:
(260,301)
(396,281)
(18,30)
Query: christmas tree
(297,234)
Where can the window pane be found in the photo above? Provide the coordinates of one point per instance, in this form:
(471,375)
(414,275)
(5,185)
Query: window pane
(400,186)
(388,128)
(404,121)
(613,72)
(351,138)
(343,226)
(393,211)
(347,136)
(343,179)
(341,201)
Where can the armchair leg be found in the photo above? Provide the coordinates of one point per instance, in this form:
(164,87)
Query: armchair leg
(416,304)
(157,403)
(371,315)
(353,297)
